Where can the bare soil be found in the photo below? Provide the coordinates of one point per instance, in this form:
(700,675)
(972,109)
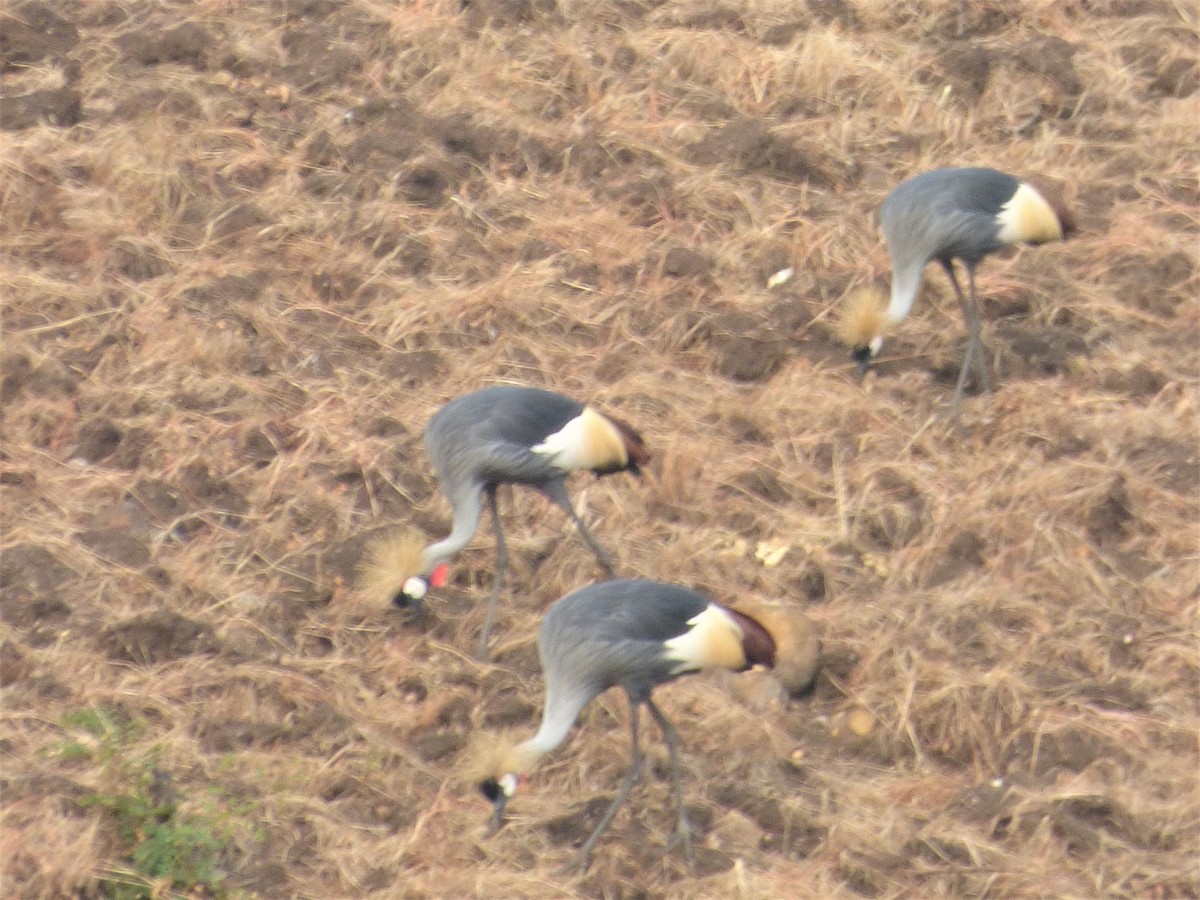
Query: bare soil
(248,248)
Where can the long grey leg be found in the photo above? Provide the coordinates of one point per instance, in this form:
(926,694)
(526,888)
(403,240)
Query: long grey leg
(500,577)
(683,830)
(584,856)
(985,378)
(557,492)
(974,344)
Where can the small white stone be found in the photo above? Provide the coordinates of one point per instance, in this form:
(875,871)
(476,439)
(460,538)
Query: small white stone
(783,276)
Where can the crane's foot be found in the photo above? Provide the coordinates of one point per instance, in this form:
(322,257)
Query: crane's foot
(604,559)
(985,377)
(577,864)
(950,416)
(481,648)
(682,835)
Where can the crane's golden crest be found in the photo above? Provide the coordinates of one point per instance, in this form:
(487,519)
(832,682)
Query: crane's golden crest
(862,317)
(588,441)
(1028,217)
(714,640)
(492,756)
(387,563)
(797,648)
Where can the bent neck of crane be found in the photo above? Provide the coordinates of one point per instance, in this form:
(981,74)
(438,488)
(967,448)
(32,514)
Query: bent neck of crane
(905,283)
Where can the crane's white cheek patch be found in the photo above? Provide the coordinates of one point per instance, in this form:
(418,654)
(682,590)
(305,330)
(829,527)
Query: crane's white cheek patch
(509,783)
(415,588)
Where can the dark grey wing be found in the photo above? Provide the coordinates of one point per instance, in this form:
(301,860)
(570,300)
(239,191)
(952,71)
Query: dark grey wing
(487,435)
(630,608)
(612,633)
(970,206)
(978,190)
(947,213)
(527,416)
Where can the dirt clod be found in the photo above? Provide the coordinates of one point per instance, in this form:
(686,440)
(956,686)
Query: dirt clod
(59,107)
(156,637)
(189,44)
(33,31)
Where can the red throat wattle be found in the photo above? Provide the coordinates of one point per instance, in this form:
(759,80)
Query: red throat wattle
(438,576)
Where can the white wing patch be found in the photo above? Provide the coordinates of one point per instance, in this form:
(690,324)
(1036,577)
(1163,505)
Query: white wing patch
(1028,217)
(714,639)
(588,441)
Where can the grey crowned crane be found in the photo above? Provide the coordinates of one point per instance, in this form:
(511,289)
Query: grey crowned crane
(944,215)
(636,635)
(501,435)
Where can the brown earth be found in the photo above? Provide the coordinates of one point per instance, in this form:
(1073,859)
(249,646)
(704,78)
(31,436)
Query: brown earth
(247,250)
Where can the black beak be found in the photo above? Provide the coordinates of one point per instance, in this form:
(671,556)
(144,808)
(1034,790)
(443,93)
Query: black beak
(492,790)
(497,821)
(862,356)
(414,606)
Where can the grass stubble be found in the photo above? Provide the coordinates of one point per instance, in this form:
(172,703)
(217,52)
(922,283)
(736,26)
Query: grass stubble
(238,287)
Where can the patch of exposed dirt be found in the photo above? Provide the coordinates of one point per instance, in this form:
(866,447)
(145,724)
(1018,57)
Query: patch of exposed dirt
(156,637)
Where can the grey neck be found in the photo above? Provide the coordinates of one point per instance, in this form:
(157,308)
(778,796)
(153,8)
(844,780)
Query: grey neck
(905,283)
(468,506)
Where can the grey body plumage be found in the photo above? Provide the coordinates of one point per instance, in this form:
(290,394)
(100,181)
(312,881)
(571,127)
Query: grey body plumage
(636,635)
(498,435)
(946,214)
(956,214)
(485,436)
(612,635)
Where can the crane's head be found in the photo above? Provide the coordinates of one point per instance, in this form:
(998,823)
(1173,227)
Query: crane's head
(498,790)
(394,569)
(412,592)
(499,770)
(860,325)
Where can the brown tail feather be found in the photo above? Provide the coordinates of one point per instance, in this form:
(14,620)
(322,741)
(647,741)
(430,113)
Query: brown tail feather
(796,647)
(757,643)
(635,445)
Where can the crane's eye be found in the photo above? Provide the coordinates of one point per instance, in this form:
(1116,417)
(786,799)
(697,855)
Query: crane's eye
(491,789)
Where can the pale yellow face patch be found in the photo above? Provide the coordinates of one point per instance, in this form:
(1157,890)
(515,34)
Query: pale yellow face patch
(1028,218)
(714,640)
(589,441)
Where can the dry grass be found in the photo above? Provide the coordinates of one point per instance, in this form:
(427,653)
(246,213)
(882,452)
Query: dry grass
(275,242)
